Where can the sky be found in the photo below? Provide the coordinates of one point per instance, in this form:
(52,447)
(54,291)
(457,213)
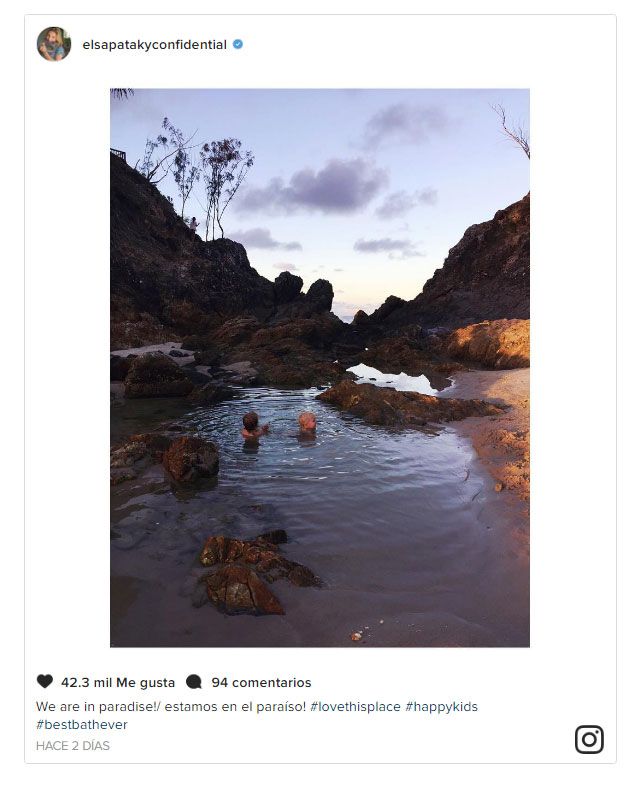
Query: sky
(367,188)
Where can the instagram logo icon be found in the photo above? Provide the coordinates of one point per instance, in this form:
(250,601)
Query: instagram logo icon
(589,739)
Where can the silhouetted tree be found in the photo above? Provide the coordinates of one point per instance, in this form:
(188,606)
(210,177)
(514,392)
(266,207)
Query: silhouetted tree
(224,168)
(148,167)
(177,148)
(185,171)
(516,134)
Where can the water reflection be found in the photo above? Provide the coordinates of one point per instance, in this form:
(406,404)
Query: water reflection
(422,384)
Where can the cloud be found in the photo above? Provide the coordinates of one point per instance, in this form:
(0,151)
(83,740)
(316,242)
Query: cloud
(397,204)
(396,249)
(290,268)
(340,187)
(261,238)
(339,269)
(405,124)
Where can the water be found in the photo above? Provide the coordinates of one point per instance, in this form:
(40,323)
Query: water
(404,528)
(430,384)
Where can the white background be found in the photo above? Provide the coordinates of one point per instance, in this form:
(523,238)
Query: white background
(531,699)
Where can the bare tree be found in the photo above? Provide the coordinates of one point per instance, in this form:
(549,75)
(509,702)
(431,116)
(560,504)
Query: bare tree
(148,167)
(151,169)
(516,134)
(224,169)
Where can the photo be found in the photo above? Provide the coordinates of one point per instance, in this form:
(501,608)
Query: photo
(53,44)
(319,365)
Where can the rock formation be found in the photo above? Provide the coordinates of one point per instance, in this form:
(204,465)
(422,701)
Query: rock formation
(500,344)
(166,282)
(240,567)
(155,375)
(484,277)
(189,460)
(386,406)
(287,287)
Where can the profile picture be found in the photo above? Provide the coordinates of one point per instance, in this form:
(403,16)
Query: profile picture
(53,44)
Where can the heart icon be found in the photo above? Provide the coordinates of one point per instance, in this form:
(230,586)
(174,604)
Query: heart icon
(44,680)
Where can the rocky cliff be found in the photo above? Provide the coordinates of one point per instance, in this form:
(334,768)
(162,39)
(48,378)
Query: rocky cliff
(484,277)
(165,282)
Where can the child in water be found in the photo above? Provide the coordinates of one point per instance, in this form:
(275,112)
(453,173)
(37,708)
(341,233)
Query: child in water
(251,430)
(307,424)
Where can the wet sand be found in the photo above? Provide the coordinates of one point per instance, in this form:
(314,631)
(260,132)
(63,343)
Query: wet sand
(501,442)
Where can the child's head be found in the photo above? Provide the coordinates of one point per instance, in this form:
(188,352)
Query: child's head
(251,420)
(307,421)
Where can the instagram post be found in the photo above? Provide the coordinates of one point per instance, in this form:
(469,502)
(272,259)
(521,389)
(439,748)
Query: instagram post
(313,485)
(297,437)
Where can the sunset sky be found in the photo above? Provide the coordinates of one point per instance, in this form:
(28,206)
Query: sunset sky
(366,188)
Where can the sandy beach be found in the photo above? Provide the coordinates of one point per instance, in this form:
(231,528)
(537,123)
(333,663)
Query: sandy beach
(501,442)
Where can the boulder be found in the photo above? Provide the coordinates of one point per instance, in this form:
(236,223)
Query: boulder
(240,567)
(128,459)
(237,590)
(321,295)
(189,460)
(386,406)
(287,287)
(500,344)
(156,375)
(261,554)
(220,549)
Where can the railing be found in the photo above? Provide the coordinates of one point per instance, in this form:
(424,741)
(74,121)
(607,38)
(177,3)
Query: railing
(119,153)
